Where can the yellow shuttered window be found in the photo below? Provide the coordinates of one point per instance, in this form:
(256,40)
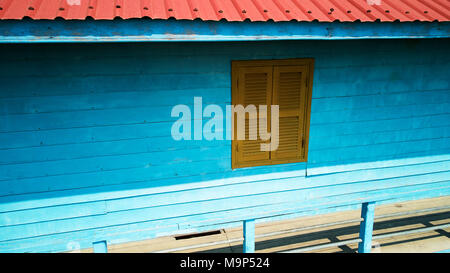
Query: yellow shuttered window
(282,83)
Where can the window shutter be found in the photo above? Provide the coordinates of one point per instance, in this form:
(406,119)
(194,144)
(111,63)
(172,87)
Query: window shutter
(289,92)
(286,83)
(254,88)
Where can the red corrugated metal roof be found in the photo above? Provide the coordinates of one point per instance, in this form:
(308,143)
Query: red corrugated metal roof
(231,10)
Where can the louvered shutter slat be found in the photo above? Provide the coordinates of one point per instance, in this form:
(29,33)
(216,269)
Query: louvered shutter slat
(289,92)
(254,88)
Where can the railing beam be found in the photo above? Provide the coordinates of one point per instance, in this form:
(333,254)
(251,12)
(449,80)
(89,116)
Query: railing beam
(366,227)
(249,236)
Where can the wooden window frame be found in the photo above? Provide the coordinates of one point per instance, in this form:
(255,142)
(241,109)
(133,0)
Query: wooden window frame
(309,64)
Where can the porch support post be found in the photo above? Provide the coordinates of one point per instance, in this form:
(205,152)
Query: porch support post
(100,247)
(249,236)
(366,227)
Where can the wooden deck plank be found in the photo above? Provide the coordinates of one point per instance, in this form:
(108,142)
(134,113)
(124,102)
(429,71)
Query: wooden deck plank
(422,242)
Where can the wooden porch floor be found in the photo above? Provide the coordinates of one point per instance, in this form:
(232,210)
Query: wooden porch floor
(432,241)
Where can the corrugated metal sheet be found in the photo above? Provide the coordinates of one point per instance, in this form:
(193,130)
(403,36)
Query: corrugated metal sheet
(231,10)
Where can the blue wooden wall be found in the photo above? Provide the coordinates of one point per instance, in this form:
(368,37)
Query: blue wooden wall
(86,153)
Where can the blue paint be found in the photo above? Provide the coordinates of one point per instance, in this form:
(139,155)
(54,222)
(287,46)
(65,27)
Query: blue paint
(249,236)
(86,153)
(366,227)
(100,247)
(135,30)
(146,230)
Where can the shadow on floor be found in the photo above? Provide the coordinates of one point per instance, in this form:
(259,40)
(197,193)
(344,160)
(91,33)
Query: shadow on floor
(333,234)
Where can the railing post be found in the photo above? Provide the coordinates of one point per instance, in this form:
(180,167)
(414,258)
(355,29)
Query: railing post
(100,247)
(366,227)
(249,236)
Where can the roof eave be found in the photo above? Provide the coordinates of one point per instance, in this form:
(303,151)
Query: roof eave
(148,30)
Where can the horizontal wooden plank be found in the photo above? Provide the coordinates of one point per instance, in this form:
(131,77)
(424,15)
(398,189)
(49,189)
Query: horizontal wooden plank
(288,184)
(319,143)
(37,169)
(258,187)
(89,118)
(115,65)
(147,130)
(52,213)
(84,134)
(379,113)
(338,89)
(94,83)
(378,58)
(166,227)
(274,185)
(173,184)
(52,86)
(380,100)
(214,202)
(327,168)
(368,127)
(101,148)
(22,51)
(118,176)
(387,50)
(151,171)
(380,73)
(102,117)
(112,100)
(313,207)
(379,151)
(146,230)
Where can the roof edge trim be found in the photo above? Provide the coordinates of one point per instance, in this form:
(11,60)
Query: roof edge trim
(136,30)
